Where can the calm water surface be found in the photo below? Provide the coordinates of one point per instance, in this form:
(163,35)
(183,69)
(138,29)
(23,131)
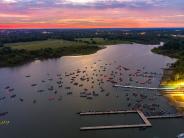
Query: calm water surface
(46,102)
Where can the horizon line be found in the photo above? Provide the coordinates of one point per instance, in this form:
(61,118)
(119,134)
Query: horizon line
(93,28)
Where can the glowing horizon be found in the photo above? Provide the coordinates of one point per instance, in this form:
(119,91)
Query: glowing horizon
(18,14)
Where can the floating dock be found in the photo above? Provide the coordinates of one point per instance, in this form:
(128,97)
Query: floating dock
(148,88)
(108,112)
(140,113)
(113,127)
(166,116)
(143,117)
(173,92)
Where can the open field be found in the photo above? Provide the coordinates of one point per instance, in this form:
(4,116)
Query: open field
(58,43)
(52,43)
(19,53)
(102,41)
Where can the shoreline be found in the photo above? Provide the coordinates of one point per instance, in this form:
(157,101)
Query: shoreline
(169,78)
(173,65)
(17,54)
(31,56)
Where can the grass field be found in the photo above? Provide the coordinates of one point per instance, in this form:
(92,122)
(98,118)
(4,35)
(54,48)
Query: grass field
(102,41)
(13,54)
(59,43)
(36,45)
(20,53)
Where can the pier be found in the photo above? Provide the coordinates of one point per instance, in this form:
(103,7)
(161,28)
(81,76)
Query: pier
(166,116)
(108,112)
(113,127)
(148,88)
(140,113)
(142,116)
(173,92)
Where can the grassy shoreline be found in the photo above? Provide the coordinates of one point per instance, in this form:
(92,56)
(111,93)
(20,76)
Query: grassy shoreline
(174,50)
(20,57)
(15,54)
(174,76)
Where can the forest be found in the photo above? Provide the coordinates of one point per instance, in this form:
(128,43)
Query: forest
(174,49)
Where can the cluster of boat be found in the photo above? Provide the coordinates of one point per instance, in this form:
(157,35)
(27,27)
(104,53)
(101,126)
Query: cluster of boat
(92,81)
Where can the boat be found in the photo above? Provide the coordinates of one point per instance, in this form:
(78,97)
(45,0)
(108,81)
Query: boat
(95,94)
(21,99)
(180,135)
(51,88)
(7,87)
(40,90)
(13,96)
(107,94)
(11,90)
(89,98)
(67,87)
(82,95)
(34,85)
(69,93)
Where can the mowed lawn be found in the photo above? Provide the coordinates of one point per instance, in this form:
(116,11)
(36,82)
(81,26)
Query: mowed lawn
(36,45)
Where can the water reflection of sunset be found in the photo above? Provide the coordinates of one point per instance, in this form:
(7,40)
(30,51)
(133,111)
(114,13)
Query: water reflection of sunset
(176,96)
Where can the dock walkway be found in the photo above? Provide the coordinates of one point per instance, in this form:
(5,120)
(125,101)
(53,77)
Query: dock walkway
(108,112)
(165,116)
(143,117)
(140,113)
(148,88)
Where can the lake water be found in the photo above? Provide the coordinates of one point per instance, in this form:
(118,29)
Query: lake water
(41,99)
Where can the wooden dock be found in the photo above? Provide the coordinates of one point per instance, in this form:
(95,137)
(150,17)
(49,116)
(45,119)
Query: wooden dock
(165,116)
(143,117)
(108,112)
(113,127)
(173,92)
(148,88)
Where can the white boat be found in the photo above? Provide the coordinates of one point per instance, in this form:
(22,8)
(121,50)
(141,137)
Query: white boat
(180,135)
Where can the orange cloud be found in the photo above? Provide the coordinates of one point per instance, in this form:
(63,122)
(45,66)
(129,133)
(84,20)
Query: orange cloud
(91,18)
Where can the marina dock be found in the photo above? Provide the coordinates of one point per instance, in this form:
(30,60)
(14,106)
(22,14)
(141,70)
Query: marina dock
(140,113)
(166,116)
(108,112)
(173,92)
(142,116)
(113,127)
(148,88)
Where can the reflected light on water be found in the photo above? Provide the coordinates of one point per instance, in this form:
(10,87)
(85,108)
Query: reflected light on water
(83,60)
(177,95)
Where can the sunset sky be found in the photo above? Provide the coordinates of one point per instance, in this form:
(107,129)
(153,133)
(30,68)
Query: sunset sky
(91,13)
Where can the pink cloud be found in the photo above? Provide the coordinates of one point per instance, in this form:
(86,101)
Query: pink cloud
(62,17)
